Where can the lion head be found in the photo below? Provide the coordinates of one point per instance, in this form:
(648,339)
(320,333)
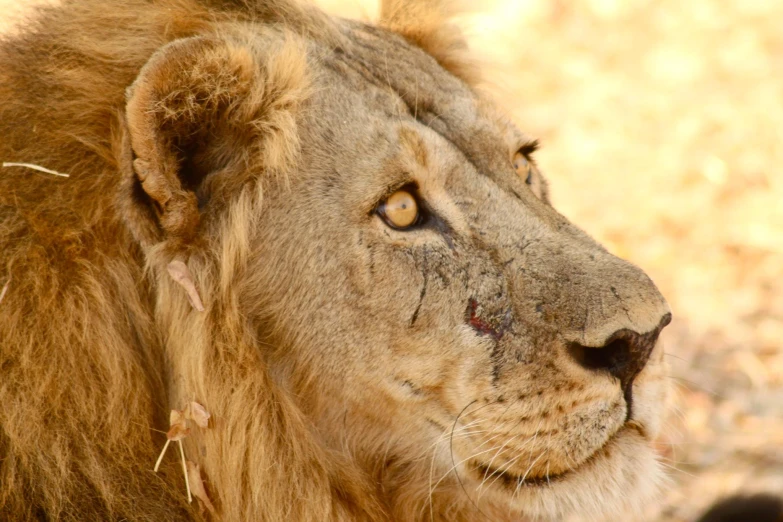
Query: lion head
(373,294)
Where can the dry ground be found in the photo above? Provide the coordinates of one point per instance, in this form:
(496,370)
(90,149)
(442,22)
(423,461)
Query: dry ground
(662,125)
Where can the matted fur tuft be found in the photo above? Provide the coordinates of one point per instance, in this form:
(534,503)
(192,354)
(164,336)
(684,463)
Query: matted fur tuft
(428,24)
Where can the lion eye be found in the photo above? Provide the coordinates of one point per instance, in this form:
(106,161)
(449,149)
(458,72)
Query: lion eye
(523,167)
(400,210)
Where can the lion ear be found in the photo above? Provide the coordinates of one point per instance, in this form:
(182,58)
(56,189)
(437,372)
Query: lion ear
(428,24)
(202,107)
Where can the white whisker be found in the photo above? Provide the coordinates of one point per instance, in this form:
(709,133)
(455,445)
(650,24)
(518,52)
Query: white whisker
(522,480)
(455,466)
(500,472)
(675,468)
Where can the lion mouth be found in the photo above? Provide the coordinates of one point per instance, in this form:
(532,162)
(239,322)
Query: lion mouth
(514,482)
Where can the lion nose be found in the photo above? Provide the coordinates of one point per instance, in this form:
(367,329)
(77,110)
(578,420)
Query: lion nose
(624,354)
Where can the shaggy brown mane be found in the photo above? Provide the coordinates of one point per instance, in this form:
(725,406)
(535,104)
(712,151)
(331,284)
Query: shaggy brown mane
(81,380)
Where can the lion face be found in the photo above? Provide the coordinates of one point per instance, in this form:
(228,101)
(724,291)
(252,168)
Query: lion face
(409,285)
(429,306)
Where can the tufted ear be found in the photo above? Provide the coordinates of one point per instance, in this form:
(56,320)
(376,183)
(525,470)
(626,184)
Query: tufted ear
(427,24)
(203,112)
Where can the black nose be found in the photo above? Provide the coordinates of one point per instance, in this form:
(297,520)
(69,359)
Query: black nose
(623,356)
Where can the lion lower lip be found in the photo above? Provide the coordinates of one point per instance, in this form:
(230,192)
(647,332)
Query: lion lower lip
(514,482)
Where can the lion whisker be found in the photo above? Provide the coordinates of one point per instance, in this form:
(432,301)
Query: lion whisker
(515,459)
(685,382)
(675,468)
(668,354)
(444,437)
(499,473)
(456,465)
(456,473)
(531,441)
(547,474)
(441,440)
(522,480)
(489,466)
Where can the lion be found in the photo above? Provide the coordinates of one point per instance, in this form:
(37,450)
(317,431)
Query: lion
(325,233)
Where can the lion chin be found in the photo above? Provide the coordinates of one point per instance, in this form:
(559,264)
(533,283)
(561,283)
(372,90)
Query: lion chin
(616,481)
(323,233)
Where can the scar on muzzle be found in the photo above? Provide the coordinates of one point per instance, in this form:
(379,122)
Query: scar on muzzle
(494,325)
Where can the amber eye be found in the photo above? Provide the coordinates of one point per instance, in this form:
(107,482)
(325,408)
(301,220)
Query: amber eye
(400,210)
(523,167)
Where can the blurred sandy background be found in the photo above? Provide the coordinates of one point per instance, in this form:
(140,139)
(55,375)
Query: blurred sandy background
(662,131)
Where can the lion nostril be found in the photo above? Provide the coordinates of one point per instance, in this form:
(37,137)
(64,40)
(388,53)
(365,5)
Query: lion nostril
(614,356)
(624,355)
